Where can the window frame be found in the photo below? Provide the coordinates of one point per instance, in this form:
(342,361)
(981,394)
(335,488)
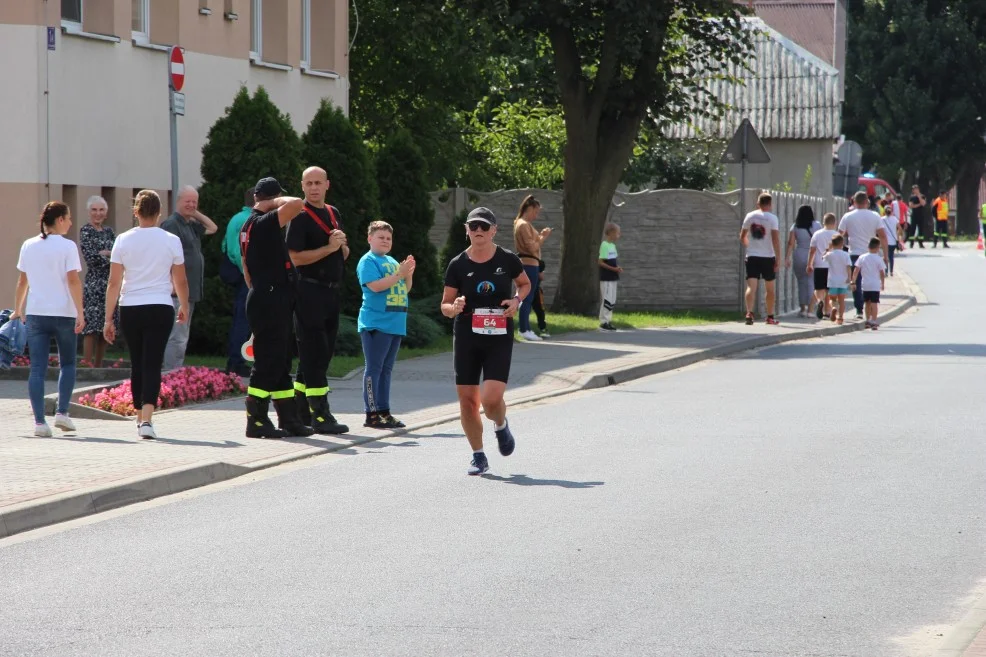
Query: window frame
(256,30)
(70,23)
(306,34)
(144,36)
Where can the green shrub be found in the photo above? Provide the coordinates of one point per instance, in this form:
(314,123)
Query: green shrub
(430,307)
(347,341)
(422,331)
(456,242)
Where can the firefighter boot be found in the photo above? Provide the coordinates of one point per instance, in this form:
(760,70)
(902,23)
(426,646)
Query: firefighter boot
(288,420)
(258,424)
(323,421)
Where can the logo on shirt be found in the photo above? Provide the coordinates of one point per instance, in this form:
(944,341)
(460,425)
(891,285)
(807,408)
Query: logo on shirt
(499,271)
(485,288)
(757,231)
(469,275)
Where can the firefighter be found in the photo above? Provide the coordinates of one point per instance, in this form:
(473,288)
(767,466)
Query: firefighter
(272,280)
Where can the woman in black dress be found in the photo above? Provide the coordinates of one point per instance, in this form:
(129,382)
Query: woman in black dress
(96,242)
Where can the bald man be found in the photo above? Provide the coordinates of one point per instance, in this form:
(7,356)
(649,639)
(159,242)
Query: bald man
(317,246)
(189,225)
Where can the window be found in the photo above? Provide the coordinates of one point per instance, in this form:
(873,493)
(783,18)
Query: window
(72,11)
(306,33)
(256,28)
(139,19)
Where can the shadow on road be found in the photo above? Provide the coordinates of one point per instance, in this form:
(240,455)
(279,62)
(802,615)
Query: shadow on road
(524,480)
(895,350)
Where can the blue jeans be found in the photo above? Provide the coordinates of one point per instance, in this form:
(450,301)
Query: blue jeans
(380,350)
(532,272)
(40,330)
(239,331)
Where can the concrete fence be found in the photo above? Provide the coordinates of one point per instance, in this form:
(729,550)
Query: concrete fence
(680,248)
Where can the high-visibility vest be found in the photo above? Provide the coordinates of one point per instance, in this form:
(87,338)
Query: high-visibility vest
(941,209)
(982,213)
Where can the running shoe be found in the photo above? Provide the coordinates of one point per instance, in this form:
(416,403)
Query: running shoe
(42,430)
(146,431)
(772,321)
(749,319)
(479,464)
(530,336)
(607,327)
(393,422)
(64,422)
(819,310)
(859,315)
(505,439)
(544,335)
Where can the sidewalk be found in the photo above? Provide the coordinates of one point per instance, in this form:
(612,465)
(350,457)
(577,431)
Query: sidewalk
(104,465)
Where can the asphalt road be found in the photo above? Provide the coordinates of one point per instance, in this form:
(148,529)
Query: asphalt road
(817,498)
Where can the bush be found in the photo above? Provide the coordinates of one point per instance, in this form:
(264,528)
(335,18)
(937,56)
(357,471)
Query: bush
(347,340)
(252,140)
(404,202)
(186,385)
(422,331)
(456,242)
(333,143)
(430,307)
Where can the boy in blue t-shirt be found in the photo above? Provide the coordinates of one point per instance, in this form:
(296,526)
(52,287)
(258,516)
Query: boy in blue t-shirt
(382,321)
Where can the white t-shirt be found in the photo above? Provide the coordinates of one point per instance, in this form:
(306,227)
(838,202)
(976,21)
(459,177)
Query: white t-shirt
(759,225)
(890,224)
(147,255)
(860,226)
(47,262)
(839,264)
(870,267)
(821,241)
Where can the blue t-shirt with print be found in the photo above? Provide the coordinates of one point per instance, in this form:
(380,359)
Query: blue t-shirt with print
(386,310)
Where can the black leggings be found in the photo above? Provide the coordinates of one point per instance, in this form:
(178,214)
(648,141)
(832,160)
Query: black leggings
(146,329)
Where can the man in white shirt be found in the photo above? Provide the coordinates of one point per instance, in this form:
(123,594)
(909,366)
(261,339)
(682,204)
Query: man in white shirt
(761,237)
(860,226)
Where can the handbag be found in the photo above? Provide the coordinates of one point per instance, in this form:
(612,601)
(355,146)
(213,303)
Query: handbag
(229,273)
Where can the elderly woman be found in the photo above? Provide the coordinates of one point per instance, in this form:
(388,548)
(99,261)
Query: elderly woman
(96,241)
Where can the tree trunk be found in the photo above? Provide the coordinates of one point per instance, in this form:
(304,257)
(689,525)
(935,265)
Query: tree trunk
(967,203)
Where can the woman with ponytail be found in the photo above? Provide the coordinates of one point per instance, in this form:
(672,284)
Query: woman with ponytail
(49,301)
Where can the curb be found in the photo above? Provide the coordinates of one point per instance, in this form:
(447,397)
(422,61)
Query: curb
(965,632)
(38,513)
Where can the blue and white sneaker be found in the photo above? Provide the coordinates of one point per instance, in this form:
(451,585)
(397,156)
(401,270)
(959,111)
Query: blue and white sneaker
(479,465)
(505,439)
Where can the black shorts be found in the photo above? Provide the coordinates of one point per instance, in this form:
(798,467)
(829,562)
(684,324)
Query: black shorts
(821,278)
(871,297)
(485,357)
(760,267)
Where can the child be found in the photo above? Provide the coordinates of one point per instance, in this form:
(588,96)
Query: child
(609,275)
(817,266)
(871,266)
(382,321)
(839,268)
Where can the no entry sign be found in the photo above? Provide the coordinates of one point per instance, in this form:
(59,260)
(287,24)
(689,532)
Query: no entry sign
(177,64)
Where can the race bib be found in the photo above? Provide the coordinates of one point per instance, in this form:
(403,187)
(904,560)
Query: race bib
(489,321)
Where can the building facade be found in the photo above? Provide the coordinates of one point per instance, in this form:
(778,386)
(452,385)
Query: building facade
(85,95)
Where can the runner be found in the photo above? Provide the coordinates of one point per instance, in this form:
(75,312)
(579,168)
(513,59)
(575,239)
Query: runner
(272,280)
(762,240)
(478,295)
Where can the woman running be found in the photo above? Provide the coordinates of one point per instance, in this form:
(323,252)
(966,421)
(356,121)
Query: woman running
(479,294)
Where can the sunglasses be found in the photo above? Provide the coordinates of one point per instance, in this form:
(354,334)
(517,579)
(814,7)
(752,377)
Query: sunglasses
(478,225)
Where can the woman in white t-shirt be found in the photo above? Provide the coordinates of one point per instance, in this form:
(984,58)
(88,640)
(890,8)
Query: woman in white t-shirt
(890,225)
(146,264)
(49,300)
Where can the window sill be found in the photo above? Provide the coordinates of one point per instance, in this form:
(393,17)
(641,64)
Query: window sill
(256,61)
(150,46)
(75,30)
(331,75)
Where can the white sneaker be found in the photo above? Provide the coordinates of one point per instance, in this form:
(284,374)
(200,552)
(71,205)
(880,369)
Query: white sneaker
(530,336)
(64,422)
(42,430)
(146,431)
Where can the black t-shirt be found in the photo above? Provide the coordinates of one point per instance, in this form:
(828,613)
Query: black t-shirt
(267,259)
(483,284)
(917,210)
(306,235)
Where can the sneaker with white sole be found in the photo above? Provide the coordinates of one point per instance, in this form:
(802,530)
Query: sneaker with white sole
(64,422)
(146,431)
(530,336)
(42,430)
(544,335)
(479,464)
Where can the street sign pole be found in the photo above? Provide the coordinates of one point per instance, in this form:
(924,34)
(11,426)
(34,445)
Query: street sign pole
(174,150)
(746,153)
(176,106)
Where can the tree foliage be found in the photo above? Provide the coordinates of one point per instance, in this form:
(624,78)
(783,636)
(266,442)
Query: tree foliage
(253,139)
(406,205)
(662,163)
(333,143)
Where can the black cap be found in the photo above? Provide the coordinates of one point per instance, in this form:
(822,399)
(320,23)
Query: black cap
(482,214)
(268,188)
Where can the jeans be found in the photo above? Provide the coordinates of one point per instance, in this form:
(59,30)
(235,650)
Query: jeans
(174,353)
(146,329)
(891,248)
(538,308)
(239,331)
(532,272)
(380,350)
(857,292)
(40,330)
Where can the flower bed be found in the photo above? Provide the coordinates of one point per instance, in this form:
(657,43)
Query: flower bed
(25,361)
(188,385)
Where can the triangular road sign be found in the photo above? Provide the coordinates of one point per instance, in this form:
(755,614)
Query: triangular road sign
(745,145)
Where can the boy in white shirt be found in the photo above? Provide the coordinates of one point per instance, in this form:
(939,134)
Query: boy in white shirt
(870,268)
(839,270)
(817,266)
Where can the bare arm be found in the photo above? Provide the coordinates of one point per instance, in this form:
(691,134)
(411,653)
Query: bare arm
(811,259)
(882,234)
(75,289)
(452,304)
(180,282)
(790,246)
(743,240)
(775,237)
(20,296)
(606,265)
(210,225)
(246,273)
(523,284)
(113,288)
(288,207)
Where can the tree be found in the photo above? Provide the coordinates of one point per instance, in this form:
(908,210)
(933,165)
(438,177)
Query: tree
(405,204)
(253,139)
(333,143)
(662,163)
(615,61)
